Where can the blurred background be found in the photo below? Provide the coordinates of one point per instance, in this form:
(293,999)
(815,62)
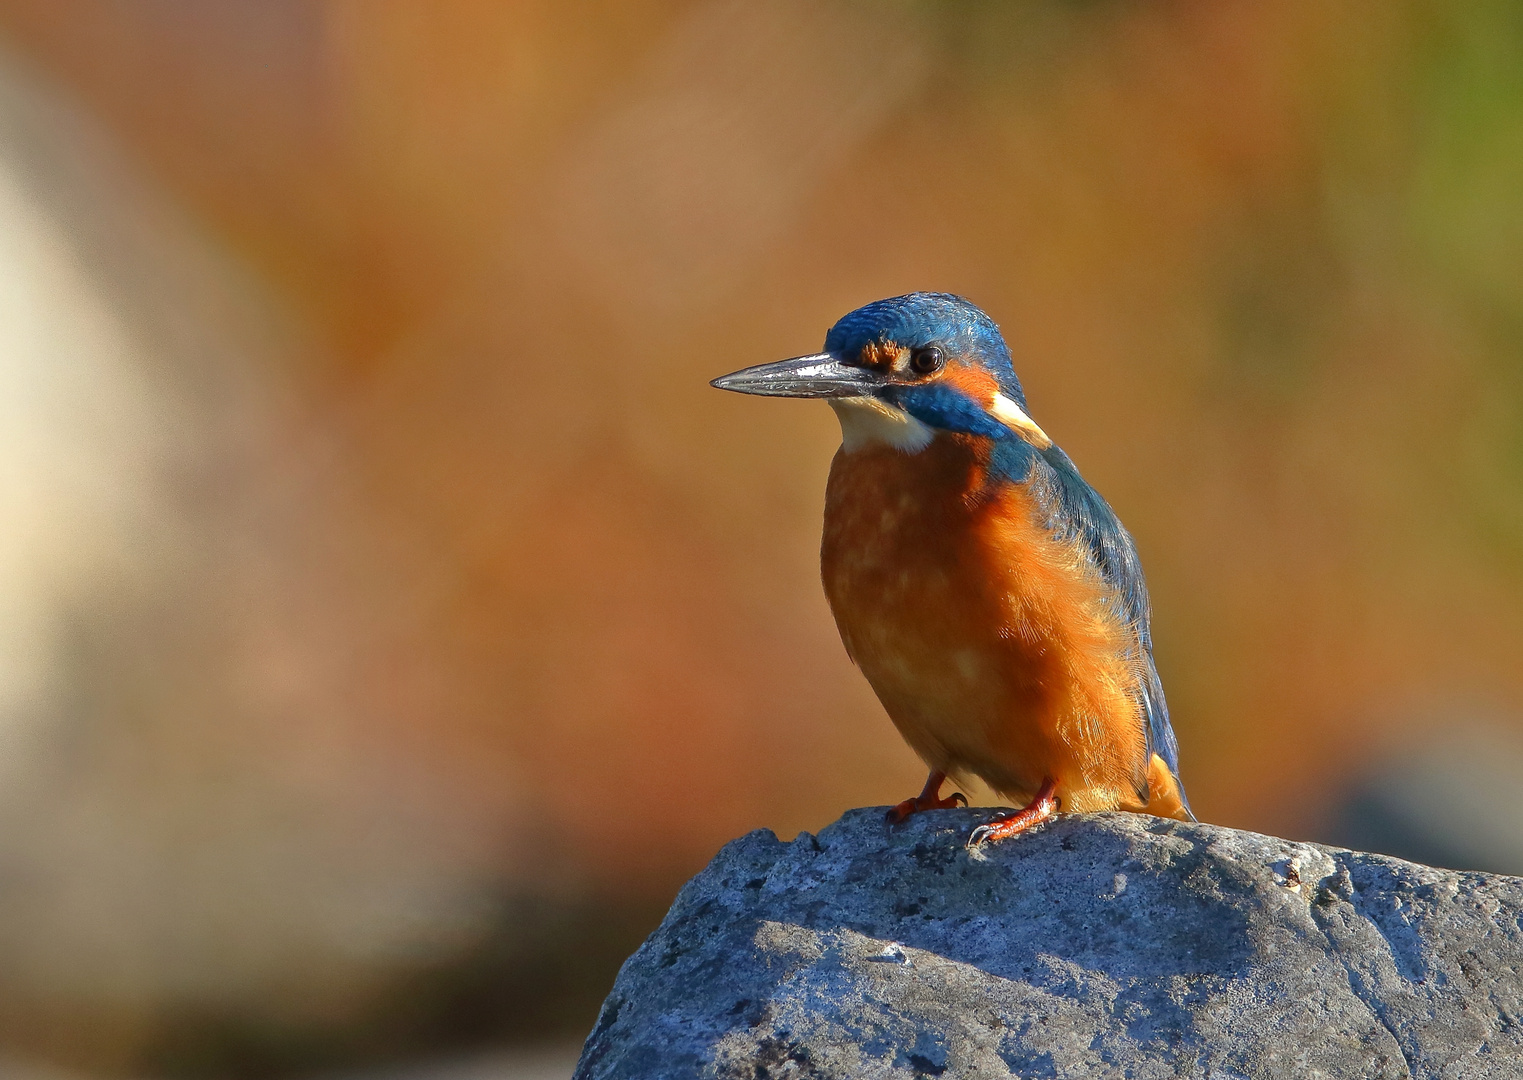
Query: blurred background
(391,618)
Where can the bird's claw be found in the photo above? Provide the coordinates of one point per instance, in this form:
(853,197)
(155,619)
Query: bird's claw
(1041,809)
(897,814)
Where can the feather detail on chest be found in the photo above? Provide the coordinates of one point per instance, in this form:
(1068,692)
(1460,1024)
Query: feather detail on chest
(995,644)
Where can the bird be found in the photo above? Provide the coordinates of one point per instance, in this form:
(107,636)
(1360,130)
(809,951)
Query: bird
(990,596)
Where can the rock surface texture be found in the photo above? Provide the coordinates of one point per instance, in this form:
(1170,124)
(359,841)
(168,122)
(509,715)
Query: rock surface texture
(1105,945)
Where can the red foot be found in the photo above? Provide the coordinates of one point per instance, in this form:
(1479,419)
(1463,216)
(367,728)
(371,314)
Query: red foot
(928,799)
(1044,806)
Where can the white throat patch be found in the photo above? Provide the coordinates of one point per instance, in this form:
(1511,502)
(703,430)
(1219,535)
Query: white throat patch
(866,421)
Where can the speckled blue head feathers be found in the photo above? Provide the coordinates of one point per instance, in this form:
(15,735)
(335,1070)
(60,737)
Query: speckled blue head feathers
(920,319)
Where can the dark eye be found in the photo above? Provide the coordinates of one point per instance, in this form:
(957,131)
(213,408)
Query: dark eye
(926,360)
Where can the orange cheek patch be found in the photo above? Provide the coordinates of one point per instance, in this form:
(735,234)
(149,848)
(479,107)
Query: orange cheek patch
(975,382)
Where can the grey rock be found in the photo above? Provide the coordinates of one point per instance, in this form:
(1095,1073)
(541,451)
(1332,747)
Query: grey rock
(1103,945)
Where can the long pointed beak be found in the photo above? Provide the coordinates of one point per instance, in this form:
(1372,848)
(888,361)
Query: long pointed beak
(819,375)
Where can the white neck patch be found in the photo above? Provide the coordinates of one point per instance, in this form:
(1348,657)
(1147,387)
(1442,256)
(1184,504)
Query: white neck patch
(1014,417)
(866,421)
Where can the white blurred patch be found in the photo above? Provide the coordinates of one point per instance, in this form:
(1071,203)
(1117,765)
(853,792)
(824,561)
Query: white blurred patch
(81,437)
(194,807)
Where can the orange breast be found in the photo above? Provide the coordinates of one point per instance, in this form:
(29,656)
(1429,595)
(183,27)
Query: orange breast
(989,641)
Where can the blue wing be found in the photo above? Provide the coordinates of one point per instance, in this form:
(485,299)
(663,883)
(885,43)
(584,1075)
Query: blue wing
(1075,508)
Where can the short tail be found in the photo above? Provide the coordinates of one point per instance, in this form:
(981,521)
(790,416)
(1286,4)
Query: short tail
(1166,795)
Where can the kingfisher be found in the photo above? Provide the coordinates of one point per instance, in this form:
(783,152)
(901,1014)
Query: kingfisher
(990,596)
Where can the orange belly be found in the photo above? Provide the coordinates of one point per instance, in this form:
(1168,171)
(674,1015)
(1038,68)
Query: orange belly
(994,646)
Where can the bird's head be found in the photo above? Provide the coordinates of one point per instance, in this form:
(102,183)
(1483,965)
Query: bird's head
(900,370)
